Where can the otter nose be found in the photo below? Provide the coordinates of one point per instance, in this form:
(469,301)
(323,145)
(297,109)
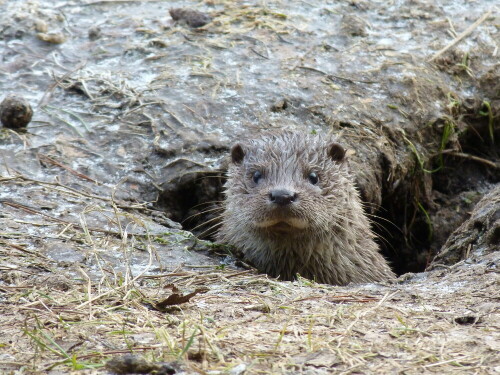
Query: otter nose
(282,197)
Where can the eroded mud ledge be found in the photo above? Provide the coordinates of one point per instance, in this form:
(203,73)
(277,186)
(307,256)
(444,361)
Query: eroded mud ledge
(130,104)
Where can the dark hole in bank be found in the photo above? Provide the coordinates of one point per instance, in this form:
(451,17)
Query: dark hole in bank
(424,221)
(193,197)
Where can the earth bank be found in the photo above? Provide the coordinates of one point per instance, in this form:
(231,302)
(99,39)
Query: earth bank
(133,115)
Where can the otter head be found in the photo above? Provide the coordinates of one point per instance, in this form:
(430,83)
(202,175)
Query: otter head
(286,182)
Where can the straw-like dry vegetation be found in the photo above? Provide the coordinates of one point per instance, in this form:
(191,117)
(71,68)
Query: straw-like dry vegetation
(95,277)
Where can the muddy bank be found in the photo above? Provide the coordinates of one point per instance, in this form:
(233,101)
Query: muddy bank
(479,234)
(145,91)
(133,115)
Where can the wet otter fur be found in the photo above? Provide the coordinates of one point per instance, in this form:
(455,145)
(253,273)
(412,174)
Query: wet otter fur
(292,208)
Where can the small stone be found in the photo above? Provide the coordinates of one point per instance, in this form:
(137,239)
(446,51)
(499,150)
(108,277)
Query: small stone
(41,26)
(354,26)
(192,17)
(238,369)
(15,112)
(94,33)
(279,105)
(54,38)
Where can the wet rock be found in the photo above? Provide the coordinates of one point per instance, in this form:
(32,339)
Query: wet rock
(279,105)
(133,364)
(354,26)
(189,142)
(94,33)
(57,282)
(238,369)
(41,26)
(159,217)
(192,18)
(11,32)
(480,234)
(451,212)
(54,38)
(64,254)
(15,112)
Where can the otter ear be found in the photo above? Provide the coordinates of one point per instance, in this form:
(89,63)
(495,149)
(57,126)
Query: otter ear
(336,152)
(237,154)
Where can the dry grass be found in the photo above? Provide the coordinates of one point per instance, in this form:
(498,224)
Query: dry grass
(85,276)
(63,317)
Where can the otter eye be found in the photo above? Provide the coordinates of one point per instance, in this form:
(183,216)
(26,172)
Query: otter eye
(256,176)
(313,178)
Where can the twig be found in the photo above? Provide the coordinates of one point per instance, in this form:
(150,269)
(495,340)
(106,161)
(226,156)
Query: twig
(89,288)
(122,204)
(331,77)
(448,361)
(73,114)
(258,53)
(33,211)
(73,127)
(46,97)
(174,116)
(20,248)
(72,171)
(300,60)
(387,296)
(478,159)
(462,35)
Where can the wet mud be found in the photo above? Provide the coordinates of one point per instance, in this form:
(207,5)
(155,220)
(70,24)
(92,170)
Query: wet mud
(124,157)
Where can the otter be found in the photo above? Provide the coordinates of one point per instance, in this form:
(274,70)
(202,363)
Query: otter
(291,207)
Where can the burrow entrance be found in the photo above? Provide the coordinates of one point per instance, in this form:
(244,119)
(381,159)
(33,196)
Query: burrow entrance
(413,221)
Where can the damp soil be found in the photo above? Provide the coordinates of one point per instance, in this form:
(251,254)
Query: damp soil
(110,197)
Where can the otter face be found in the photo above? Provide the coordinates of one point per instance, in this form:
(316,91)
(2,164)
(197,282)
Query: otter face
(292,208)
(278,183)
